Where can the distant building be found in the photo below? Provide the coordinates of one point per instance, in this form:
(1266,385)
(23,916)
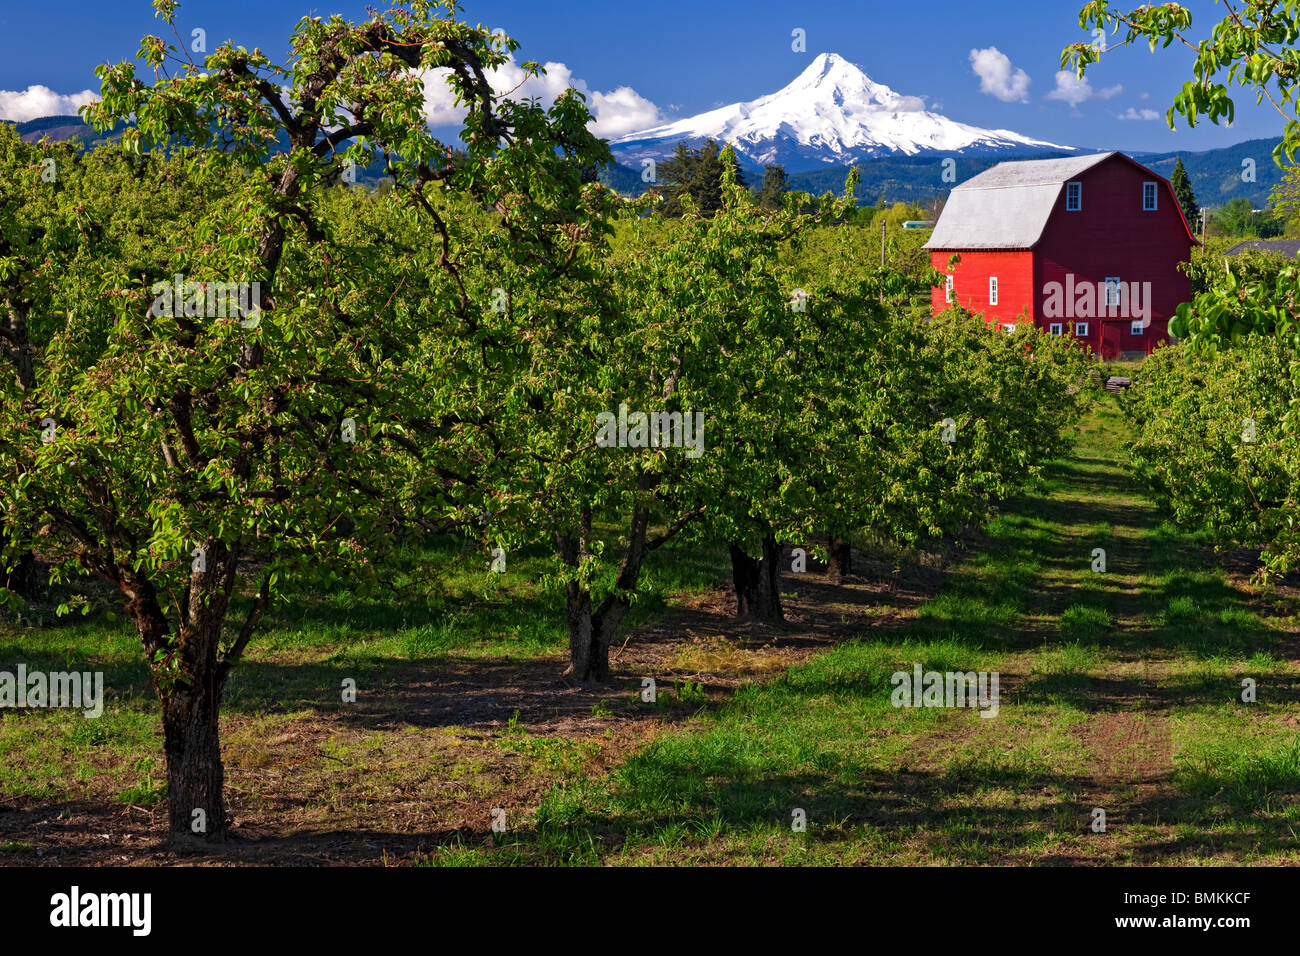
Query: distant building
(919,224)
(1289,248)
(1086,246)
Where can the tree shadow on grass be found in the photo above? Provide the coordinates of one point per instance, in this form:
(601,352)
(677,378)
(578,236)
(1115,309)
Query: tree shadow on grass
(958,816)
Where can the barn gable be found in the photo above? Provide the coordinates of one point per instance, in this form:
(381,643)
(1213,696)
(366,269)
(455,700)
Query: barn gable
(1008,206)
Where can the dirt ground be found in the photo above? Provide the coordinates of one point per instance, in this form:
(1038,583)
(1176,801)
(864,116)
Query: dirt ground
(431,758)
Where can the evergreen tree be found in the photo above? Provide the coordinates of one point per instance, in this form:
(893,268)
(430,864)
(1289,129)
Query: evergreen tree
(775,183)
(1183,192)
(696,173)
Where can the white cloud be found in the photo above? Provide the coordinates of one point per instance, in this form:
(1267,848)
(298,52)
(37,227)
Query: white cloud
(1132,114)
(1074,91)
(998,77)
(508,79)
(621,111)
(38,101)
(1070,88)
(1146,96)
(616,112)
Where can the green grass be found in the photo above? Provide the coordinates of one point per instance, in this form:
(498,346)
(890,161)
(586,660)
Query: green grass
(1120,689)
(1245,769)
(445,609)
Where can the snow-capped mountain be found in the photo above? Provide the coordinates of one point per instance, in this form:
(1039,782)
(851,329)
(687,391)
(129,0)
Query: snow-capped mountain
(832,113)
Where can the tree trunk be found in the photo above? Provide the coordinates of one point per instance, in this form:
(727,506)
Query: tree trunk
(23,579)
(758,582)
(189,678)
(744,578)
(195,776)
(588,657)
(591,632)
(591,629)
(840,562)
(771,575)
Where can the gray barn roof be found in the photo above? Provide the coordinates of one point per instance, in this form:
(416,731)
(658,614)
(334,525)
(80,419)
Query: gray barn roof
(1007,207)
(1281,247)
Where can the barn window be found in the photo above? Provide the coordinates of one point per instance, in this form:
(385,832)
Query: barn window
(1073,196)
(1008,327)
(1137,327)
(993,290)
(1148,196)
(947,292)
(1055,328)
(1112,291)
(1081,329)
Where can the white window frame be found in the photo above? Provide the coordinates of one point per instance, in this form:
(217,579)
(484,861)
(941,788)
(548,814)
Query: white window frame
(1155,196)
(1056,328)
(1009,327)
(993,290)
(1113,286)
(947,291)
(1081,334)
(1078,205)
(1137,327)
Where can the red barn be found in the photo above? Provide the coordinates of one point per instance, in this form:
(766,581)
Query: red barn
(1086,246)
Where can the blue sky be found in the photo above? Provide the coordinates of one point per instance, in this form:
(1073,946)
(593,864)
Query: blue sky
(681,59)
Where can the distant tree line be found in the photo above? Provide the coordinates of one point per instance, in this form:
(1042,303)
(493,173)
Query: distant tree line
(694,175)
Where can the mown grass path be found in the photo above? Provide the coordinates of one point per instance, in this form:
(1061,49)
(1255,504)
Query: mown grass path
(1120,691)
